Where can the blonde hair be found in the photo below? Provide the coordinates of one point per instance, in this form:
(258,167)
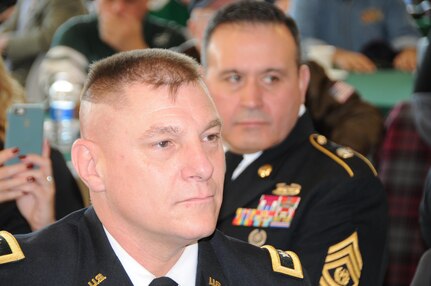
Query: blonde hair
(10,92)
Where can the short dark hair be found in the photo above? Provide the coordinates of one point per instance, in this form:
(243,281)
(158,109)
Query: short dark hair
(250,12)
(108,78)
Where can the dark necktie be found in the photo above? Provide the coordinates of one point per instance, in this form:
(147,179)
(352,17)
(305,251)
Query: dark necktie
(163,281)
(232,161)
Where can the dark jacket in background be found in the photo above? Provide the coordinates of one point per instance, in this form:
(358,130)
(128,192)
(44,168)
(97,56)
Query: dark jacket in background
(339,113)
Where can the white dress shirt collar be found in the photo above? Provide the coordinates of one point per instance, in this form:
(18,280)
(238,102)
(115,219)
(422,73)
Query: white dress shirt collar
(183,272)
(249,158)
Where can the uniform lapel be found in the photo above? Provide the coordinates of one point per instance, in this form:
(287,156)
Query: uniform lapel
(209,271)
(103,268)
(249,186)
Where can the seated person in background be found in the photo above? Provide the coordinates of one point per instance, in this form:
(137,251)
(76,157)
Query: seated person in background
(421,100)
(119,25)
(285,185)
(6,9)
(403,161)
(339,113)
(425,211)
(29,30)
(31,198)
(336,108)
(366,34)
(152,157)
(422,114)
(422,275)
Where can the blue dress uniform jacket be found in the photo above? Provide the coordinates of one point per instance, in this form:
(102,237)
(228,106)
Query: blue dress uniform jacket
(76,251)
(333,200)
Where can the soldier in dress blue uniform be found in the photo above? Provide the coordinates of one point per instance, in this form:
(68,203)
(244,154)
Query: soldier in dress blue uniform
(152,157)
(285,185)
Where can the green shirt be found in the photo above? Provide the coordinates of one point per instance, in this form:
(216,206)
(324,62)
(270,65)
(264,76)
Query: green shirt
(81,33)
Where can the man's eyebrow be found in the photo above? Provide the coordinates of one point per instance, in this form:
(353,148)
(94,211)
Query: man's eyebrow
(173,130)
(161,130)
(213,123)
(278,70)
(228,71)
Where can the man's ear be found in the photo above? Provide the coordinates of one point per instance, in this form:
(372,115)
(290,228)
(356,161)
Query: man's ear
(304,79)
(84,159)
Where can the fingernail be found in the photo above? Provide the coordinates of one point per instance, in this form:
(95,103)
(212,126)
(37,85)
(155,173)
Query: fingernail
(30,166)
(15,150)
(30,179)
(22,157)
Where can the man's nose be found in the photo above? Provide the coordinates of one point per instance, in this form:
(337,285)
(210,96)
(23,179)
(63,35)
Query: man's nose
(251,95)
(197,165)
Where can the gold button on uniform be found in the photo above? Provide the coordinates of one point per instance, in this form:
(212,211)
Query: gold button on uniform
(264,171)
(321,140)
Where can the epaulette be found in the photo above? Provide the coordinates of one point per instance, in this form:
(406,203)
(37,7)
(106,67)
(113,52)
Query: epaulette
(10,250)
(339,154)
(285,262)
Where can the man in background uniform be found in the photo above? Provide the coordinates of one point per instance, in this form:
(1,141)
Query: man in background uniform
(285,185)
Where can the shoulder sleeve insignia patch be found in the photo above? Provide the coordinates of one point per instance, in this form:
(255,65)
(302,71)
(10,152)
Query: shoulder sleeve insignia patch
(286,262)
(343,263)
(9,248)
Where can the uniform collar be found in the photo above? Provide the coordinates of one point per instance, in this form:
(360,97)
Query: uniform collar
(183,272)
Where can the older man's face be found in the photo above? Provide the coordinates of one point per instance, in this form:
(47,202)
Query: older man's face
(162,162)
(253,76)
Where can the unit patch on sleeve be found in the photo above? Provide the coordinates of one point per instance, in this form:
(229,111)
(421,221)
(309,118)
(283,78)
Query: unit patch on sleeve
(9,248)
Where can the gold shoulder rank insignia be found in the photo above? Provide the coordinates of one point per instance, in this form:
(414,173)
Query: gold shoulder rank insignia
(9,248)
(286,262)
(343,264)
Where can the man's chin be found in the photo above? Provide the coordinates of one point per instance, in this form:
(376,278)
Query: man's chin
(196,233)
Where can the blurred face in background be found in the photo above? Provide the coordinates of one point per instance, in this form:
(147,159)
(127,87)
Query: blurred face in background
(253,76)
(199,18)
(133,8)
